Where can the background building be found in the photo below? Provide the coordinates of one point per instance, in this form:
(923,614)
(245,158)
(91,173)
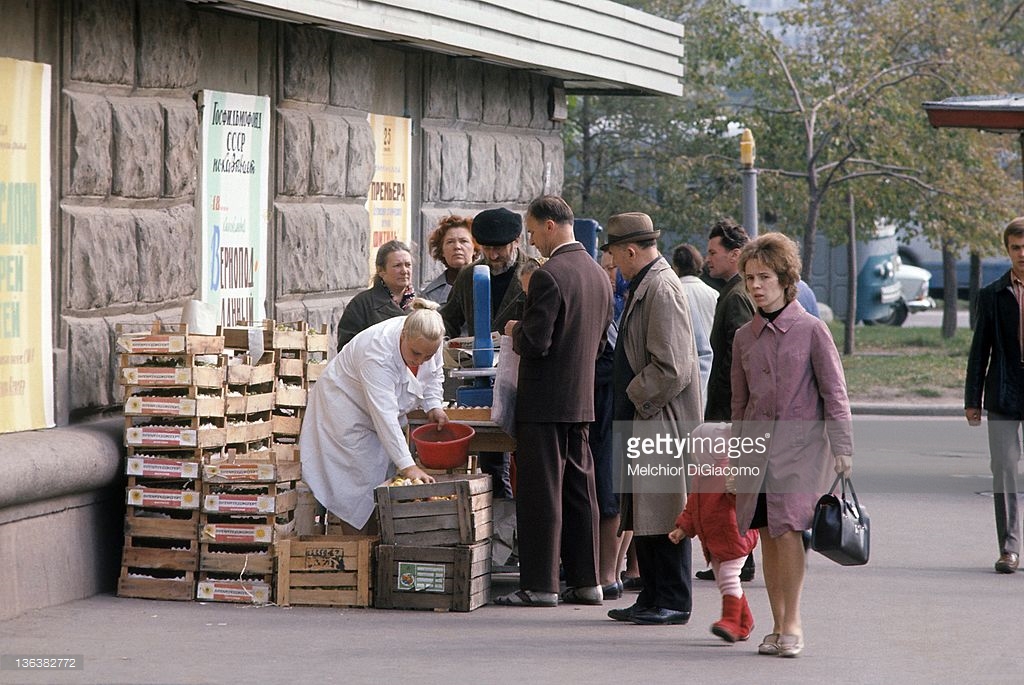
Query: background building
(483,84)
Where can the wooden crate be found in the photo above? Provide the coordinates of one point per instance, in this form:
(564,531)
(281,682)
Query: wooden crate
(244,471)
(235,559)
(158,338)
(458,514)
(249,498)
(325,570)
(244,591)
(164,554)
(439,578)
(171,524)
(173,585)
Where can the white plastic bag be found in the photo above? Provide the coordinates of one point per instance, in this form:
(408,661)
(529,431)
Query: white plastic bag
(506,379)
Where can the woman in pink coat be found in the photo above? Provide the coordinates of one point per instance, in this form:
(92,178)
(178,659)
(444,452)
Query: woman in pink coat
(787,386)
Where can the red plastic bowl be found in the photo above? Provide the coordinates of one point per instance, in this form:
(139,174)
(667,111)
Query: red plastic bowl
(447,448)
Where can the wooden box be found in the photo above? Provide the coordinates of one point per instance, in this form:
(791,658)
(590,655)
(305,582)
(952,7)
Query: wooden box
(456,510)
(241,591)
(439,578)
(156,584)
(251,472)
(322,570)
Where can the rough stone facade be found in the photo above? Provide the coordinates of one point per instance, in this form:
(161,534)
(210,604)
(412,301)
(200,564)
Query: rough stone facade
(129,236)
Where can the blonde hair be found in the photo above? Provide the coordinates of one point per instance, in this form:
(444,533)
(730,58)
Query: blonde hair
(424,321)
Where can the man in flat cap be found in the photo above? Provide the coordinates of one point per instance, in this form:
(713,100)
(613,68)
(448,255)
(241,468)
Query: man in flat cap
(497,232)
(656,378)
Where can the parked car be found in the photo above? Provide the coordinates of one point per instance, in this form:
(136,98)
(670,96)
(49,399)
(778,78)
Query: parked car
(914,283)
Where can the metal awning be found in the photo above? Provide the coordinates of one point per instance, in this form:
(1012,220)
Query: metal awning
(996,113)
(594,46)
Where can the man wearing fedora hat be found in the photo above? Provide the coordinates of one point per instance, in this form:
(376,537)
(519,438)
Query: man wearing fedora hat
(657,388)
(497,232)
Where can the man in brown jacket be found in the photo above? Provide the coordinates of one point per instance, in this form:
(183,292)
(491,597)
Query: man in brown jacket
(568,309)
(657,392)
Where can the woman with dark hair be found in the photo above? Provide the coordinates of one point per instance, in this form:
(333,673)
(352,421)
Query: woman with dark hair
(452,244)
(788,383)
(390,292)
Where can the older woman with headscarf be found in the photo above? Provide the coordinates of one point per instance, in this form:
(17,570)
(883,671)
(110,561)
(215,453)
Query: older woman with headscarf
(390,293)
(451,243)
(352,435)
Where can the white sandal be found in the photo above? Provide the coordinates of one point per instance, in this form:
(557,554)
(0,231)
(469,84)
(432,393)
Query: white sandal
(790,645)
(769,645)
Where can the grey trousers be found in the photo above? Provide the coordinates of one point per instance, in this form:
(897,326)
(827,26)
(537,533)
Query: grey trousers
(1004,444)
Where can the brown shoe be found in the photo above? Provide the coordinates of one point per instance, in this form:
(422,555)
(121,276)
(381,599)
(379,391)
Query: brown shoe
(1007,563)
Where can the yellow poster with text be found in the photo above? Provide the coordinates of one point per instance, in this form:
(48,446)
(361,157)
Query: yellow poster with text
(387,201)
(26,354)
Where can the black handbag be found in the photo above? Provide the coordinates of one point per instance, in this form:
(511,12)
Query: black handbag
(841,530)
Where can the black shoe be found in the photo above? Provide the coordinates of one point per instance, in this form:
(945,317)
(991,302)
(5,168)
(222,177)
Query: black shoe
(656,616)
(632,583)
(747,572)
(625,614)
(613,591)
(705,575)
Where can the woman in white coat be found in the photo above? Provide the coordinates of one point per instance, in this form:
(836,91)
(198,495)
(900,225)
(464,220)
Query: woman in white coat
(352,435)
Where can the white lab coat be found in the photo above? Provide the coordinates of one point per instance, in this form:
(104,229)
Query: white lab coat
(352,434)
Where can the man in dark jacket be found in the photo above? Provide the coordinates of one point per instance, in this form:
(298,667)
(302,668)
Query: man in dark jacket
(497,232)
(733,310)
(568,309)
(995,381)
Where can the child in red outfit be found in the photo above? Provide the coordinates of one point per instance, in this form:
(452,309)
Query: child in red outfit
(710,515)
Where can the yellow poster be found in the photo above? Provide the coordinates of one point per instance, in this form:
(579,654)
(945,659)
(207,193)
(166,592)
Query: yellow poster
(26,354)
(388,199)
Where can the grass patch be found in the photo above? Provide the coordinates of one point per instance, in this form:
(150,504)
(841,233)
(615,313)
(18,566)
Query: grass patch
(905,364)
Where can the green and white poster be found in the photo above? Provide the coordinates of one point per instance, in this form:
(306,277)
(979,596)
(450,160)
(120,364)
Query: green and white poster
(234,187)
(26,344)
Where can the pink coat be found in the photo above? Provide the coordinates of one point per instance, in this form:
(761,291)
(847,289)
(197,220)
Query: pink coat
(788,381)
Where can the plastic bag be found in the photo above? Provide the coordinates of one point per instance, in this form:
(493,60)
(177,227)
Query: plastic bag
(506,380)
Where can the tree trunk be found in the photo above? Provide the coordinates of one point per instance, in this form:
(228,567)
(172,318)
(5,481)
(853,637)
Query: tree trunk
(810,235)
(586,177)
(974,287)
(849,342)
(949,286)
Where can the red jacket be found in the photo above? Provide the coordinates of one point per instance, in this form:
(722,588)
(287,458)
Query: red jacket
(710,512)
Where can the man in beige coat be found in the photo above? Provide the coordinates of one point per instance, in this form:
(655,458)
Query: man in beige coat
(657,394)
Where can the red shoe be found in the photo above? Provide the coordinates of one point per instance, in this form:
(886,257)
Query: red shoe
(746,620)
(729,627)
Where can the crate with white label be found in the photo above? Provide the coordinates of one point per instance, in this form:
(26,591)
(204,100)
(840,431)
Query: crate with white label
(229,587)
(437,578)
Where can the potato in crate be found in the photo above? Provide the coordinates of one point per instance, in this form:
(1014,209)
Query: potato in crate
(456,510)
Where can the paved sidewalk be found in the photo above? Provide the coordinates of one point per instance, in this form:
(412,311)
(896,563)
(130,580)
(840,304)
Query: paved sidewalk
(927,609)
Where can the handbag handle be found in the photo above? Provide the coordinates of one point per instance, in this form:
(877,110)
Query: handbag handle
(846,481)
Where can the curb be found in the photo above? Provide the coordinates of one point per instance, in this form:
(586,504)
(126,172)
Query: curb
(893,409)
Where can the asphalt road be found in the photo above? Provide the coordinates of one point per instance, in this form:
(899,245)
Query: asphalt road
(927,609)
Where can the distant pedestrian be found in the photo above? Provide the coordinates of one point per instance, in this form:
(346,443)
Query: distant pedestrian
(995,381)
(452,244)
(703,299)
(390,293)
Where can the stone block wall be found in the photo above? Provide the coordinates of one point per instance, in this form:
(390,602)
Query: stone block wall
(129,140)
(127,211)
(487,142)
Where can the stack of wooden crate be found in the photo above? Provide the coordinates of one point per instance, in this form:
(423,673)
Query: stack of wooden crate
(248,507)
(435,550)
(174,417)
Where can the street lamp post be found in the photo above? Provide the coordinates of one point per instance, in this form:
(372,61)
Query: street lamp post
(749,174)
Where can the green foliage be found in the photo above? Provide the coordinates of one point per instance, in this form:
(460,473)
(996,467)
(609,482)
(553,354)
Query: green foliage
(832,91)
